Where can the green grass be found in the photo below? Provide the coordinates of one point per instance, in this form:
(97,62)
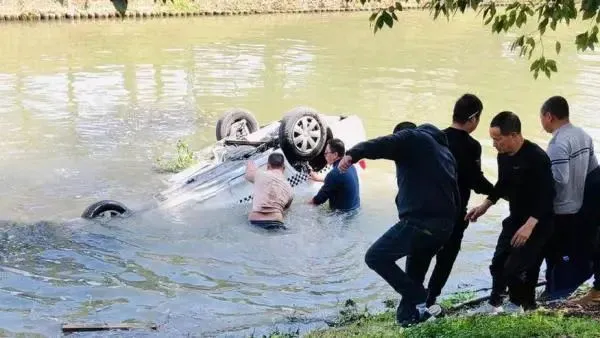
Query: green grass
(538,324)
(457,298)
(184,159)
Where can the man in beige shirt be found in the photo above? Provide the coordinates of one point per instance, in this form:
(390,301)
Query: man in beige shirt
(272,192)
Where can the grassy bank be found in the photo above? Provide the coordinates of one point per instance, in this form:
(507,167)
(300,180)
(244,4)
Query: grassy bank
(538,324)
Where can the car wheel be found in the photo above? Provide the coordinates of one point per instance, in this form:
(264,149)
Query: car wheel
(105,207)
(302,134)
(236,122)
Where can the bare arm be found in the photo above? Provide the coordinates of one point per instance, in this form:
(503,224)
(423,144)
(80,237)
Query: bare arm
(250,171)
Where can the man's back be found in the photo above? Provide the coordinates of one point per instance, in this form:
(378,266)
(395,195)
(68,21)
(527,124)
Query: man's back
(571,151)
(427,181)
(425,171)
(272,192)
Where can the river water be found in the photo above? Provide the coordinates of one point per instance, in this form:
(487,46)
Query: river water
(87,107)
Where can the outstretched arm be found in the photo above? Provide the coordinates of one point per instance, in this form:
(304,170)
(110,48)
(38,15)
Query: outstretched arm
(390,147)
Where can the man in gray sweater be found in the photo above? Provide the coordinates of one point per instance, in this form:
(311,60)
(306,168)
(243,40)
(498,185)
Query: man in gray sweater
(571,152)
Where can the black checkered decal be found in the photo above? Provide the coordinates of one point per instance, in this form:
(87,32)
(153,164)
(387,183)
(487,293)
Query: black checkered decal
(297,179)
(245,199)
(326,168)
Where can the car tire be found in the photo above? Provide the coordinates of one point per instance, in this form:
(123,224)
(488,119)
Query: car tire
(233,116)
(99,208)
(302,134)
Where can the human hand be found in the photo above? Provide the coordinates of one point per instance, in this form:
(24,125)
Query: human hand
(523,234)
(345,163)
(478,211)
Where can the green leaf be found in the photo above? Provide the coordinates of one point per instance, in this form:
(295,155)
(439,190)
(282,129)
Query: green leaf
(553,25)
(387,18)
(551,64)
(379,23)
(373,16)
(521,19)
(557,47)
(531,41)
(399,6)
(588,15)
(542,26)
(536,73)
(598,18)
(547,71)
(394,16)
(512,18)
(535,65)
(581,40)
(512,6)
(518,42)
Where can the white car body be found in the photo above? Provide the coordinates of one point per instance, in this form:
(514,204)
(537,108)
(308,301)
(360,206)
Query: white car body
(221,183)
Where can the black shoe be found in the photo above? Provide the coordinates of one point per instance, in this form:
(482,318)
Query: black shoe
(406,315)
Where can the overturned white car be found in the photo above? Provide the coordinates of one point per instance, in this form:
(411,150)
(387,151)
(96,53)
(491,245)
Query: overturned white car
(218,179)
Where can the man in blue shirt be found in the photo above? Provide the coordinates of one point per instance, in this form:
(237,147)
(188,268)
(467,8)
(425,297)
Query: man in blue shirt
(341,189)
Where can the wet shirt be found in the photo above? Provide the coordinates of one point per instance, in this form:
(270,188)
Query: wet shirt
(525,180)
(341,189)
(272,192)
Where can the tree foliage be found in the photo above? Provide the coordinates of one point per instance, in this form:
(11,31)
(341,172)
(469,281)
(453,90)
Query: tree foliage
(547,14)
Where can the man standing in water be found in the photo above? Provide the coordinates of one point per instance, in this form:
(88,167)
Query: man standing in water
(525,180)
(341,189)
(272,192)
(467,152)
(427,203)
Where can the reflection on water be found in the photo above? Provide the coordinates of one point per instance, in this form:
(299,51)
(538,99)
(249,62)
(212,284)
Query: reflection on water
(86,108)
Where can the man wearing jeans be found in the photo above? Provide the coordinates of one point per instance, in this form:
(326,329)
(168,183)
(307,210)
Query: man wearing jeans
(427,203)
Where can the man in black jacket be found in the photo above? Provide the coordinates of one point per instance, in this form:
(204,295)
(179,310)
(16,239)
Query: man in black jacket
(427,203)
(467,153)
(525,180)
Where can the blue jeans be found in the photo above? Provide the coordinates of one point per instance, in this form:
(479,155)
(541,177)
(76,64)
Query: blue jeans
(420,240)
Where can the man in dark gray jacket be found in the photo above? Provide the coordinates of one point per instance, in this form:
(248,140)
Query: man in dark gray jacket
(427,203)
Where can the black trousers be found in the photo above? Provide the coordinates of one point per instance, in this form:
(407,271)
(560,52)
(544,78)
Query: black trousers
(568,257)
(418,240)
(590,213)
(444,261)
(518,268)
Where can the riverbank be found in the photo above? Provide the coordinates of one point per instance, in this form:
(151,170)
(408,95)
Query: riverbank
(35,10)
(27,10)
(552,321)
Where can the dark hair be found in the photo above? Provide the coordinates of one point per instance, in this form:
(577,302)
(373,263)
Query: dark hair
(508,122)
(557,106)
(404,125)
(467,107)
(337,146)
(276,160)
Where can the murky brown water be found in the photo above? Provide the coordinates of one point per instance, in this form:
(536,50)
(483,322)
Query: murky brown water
(85,108)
